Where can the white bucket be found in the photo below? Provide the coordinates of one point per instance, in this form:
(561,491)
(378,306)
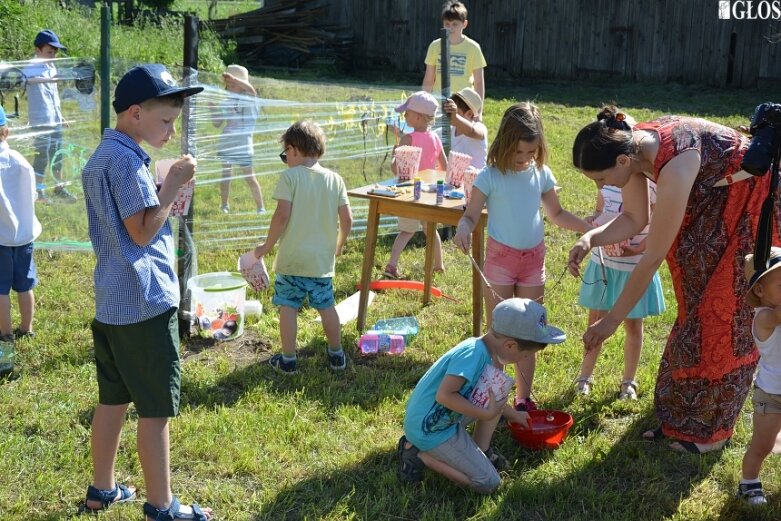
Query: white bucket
(218,304)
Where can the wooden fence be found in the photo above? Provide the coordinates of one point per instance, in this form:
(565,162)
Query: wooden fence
(660,40)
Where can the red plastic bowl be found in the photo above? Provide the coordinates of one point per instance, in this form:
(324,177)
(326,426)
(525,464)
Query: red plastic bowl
(542,434)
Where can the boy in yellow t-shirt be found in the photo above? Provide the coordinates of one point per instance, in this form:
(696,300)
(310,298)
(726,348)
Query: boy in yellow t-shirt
(466,59)
(309,199)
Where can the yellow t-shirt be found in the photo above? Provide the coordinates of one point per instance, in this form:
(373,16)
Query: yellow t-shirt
(465,57)
(307,247)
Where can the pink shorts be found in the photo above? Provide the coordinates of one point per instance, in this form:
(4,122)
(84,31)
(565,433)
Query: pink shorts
(506,266)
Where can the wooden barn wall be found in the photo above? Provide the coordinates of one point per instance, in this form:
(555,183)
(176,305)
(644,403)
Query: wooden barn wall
(661,40)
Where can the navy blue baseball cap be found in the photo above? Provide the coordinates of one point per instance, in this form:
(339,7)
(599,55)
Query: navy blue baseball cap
(47,36)
(145,82)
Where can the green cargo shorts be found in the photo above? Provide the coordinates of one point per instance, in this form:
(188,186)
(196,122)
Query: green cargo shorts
(139,363)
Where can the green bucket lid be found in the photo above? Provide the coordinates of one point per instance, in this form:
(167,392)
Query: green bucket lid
(218,282)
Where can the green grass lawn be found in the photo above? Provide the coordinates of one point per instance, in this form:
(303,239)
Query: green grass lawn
(256,445)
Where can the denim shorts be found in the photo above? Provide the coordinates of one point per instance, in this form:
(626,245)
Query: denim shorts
(292,291)
(17,269)
(506,266)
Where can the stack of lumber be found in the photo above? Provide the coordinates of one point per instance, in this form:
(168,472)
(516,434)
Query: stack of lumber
(285,33)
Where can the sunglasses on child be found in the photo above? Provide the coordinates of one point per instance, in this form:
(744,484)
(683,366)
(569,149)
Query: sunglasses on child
(283,155)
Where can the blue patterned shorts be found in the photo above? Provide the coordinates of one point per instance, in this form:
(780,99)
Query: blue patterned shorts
(292,290)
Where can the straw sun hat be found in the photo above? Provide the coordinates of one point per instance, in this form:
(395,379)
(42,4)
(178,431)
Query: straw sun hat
(753,276)
(238,71)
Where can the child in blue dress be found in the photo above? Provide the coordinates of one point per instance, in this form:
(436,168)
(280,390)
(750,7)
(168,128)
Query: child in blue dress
(614,264)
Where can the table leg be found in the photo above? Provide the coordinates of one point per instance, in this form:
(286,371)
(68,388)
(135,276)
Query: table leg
(478,237)
(431,229)
(372,222)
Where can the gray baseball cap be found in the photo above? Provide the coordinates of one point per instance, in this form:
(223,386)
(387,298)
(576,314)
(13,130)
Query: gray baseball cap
(525,319)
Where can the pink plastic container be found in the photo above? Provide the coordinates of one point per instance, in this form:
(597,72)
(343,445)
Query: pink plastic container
(377,343)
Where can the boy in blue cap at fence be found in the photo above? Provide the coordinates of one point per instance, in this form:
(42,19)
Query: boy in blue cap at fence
(18,229)
(44,112)
(439,408)
(135,330)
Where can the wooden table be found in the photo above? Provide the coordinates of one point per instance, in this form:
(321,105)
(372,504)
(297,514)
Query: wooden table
(430,213)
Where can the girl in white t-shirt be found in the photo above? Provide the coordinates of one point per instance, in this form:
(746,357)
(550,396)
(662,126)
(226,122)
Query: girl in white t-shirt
(615,265)
(513,185)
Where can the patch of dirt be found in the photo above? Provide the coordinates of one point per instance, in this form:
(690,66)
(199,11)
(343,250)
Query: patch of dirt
(249,348)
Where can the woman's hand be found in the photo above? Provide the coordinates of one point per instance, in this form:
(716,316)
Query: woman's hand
(577,254)
(599,331)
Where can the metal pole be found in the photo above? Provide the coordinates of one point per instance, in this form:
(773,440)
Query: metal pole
(105,67)
(445,81)
(187,258)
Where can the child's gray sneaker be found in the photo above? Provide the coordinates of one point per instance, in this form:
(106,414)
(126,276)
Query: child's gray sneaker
(752,493)
(337,361)
(278,363)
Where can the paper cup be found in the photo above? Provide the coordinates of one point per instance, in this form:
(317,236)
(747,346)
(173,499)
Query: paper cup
(469,178)
(457,163)
(491,379)
(254,271)
(407,162)
(183,199)
(162,167)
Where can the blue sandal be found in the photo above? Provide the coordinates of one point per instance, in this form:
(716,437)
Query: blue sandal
(107,497)
(172,512)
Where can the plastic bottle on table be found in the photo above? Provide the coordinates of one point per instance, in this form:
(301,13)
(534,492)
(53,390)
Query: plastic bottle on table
(440,191)
(417,187)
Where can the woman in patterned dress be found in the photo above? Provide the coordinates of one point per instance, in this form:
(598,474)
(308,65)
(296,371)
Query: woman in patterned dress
(707,212)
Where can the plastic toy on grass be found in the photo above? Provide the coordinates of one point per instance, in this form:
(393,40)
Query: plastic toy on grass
(218,304)
(374,343)
(547,429)
(416,285)
(406,327)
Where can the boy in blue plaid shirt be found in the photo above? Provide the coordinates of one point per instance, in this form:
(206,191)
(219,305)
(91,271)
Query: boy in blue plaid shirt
(135,330)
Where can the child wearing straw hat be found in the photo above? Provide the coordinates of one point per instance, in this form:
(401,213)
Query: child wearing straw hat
(238,114)
(764,295)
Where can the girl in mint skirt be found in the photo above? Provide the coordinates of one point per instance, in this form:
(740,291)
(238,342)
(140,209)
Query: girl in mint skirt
(598,297)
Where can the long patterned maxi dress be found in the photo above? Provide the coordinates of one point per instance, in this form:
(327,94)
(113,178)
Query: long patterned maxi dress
(708,363)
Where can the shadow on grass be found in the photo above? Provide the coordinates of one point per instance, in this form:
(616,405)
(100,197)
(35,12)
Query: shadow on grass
(632,479)
(369,489)
(367,382)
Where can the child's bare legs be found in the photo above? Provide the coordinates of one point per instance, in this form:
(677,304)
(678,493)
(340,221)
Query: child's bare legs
(332,327)
(484,432)
(154,453)
(763,439)
(288,329)
(590,356)
(106,428)
(26,310)
(633,345)
(225,185)
(524,370)
(6,327)
(254,187)
(398,246)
